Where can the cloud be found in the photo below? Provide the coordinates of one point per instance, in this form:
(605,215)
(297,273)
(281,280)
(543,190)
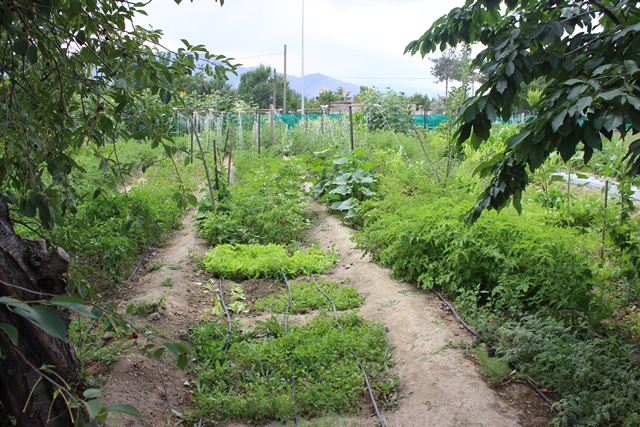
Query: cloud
(355,38)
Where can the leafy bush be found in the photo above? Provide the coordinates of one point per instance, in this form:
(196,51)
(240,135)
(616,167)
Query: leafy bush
(267,205)
(595,378)
(513,263)
(257,261)
(306,297)
(252,381)
(343,181)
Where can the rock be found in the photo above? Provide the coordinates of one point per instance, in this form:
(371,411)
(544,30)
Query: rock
(154,316)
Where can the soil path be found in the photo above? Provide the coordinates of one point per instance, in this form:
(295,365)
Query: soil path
(440,385)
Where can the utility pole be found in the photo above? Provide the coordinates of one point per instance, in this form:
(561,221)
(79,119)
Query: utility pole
(273,110)
(284,89)
(303,57)
(274,88)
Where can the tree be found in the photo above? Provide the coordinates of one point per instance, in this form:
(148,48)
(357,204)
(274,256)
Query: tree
(447,67)
(421,99)
(71,70)
(388,111)
(588,52)
(256,87)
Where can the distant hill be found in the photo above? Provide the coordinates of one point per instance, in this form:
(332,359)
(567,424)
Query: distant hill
(314,82)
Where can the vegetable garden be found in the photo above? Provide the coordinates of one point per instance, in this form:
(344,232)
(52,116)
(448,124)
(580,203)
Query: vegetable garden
(96,177)
(542,288)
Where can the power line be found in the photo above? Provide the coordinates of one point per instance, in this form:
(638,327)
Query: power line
(385,78)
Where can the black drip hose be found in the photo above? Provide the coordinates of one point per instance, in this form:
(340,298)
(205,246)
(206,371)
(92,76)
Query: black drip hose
(226,311)
(366,378)
(513,366)
(140,263)
(286,331)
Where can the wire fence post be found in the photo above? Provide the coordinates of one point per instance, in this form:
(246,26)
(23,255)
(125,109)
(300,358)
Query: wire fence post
(351,126)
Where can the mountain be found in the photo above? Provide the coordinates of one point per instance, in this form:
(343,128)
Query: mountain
(314,82)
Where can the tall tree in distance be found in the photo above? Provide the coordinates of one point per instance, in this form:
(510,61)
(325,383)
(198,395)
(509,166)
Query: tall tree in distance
(448,67)
(587,51)
(256,87)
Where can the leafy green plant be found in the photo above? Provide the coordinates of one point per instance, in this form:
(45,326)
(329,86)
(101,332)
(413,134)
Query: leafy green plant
(267,205)
(252,381)
(167,282)
(257,261)
(595,378)
(306,297)
(156,265)
(144,307)
(344,180)
(495,368)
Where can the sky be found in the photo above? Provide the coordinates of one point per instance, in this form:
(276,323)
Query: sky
(356,41)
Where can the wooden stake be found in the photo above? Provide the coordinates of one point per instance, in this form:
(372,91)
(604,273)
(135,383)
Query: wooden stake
(206,167)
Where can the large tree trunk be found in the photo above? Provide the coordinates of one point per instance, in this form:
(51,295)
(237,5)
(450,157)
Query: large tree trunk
(28,272)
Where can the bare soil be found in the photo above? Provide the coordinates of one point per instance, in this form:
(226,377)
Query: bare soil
(440,381)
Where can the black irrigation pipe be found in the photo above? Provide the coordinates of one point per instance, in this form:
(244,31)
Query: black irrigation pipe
(226,311)
(513,365)
(286,331)
(366,378)
(140,263)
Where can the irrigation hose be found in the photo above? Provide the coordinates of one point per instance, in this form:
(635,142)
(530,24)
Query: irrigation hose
(286,331)
(140,263)
(226,311)
(513,365)
(355,356)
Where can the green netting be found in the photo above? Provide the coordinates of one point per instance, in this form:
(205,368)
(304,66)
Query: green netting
(429,121)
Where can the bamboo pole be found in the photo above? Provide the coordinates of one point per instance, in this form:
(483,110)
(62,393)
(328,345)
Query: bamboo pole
(206,167)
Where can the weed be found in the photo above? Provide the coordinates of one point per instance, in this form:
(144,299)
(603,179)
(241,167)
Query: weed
(144,307)
(156,265)
(496,369)
(167,282)
(175,267)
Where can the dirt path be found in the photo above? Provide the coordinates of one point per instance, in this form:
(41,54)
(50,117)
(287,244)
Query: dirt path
(440,386)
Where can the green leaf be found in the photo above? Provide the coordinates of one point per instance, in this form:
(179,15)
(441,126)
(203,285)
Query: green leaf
(166,97)
(74,304)
(502,84)
(517,139)
(125,409)
(183,361)
(11,332)
(81,37)
(558,119)
(92,393)
(44,318)
(20,45)
(609,95)
(94,407)
(509,69)
(32,54)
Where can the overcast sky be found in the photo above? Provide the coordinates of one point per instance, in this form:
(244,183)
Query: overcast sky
(357,41)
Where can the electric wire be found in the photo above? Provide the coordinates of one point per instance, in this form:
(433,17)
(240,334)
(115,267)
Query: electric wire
(364,372)
(513,365)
